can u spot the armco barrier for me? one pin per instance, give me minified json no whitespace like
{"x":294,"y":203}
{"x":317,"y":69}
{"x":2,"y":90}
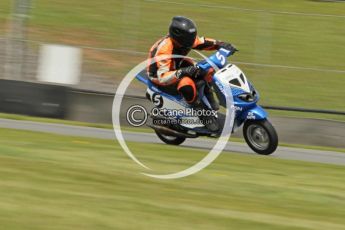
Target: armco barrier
{"x":33,"y":99}
{"x":283,"y":108}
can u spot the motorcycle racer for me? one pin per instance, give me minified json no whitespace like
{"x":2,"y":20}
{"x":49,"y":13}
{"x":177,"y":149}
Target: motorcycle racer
{"x":181,"y":74}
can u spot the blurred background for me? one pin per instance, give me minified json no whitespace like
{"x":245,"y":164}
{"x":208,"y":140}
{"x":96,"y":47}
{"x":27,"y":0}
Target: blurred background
{"x":64,"y":59}
{"x":292,"y":51}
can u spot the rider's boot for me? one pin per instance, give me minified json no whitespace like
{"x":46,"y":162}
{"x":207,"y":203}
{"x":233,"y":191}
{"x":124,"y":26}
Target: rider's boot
{"x":210,"y":97}
{"x":210,"y":121}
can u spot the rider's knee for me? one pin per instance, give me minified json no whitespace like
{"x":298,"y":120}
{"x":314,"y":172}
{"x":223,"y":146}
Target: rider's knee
{"x":187,"y":88}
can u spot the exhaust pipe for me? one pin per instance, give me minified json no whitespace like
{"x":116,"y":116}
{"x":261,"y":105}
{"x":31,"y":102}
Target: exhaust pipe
{"x":170,"y":132}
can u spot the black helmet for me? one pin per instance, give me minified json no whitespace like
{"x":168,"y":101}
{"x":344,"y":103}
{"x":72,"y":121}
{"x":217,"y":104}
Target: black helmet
{"x":183,"y":31}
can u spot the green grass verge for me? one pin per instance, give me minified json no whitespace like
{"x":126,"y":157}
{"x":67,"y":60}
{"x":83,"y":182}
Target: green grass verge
{"x":67,"y":122}
{"x":5,"y":6}
{"x":53,"y":120}
{"x":59,"y":182}
{"x":266,"y":33}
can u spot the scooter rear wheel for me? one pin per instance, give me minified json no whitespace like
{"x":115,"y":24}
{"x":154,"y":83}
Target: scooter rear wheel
{"x":171,"y":140}
{"x":261,"y":136}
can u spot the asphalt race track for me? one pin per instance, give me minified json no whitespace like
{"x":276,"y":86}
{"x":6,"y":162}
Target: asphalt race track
{"x":282,"y":152}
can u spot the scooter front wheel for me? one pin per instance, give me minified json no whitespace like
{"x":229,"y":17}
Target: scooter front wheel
{"x":261,"y":136}
{"x":171,"y":140}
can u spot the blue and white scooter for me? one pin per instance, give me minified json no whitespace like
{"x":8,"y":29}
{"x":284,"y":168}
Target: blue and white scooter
{"x":258,"y":132}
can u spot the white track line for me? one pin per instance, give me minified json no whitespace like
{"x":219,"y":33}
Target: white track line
{"x":291,"y":67}
{"x":133,"y":52}
{"x":248,"y":9}
{"x":237,"y":62}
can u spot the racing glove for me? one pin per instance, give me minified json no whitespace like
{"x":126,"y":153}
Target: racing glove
{"x":190,"y":71}
{"x":227,"y":46}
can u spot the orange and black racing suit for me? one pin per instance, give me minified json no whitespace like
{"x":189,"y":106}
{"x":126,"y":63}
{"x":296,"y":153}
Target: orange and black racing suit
{"x":162,"y":71}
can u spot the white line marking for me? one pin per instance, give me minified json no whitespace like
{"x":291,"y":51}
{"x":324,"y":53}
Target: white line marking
{"x":248,"y":9}
{"x":237,"y":62}
{"x":291,"y":67}
{"x":133,"y":52}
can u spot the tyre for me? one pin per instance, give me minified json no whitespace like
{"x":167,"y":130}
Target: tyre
{"x":171,"y":140}
{"x":261,"y":136}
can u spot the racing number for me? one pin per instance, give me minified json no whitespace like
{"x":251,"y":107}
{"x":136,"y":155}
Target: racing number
{"x":157,"y":100}
{"x":221,"y":58}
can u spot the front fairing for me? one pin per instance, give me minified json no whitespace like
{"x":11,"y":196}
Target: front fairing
{"x":236,"y":92}
{"x":223,"y":78}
